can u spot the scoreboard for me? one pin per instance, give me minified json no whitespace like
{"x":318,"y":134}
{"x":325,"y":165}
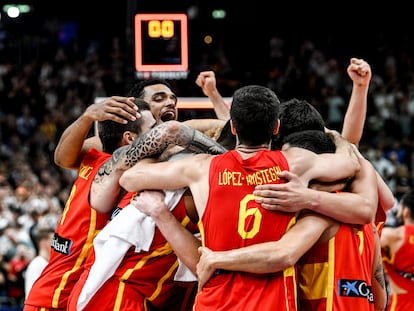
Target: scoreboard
{"x":161,"y":45}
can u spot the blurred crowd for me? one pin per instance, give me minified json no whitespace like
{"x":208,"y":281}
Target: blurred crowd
{"x":40,"y":97}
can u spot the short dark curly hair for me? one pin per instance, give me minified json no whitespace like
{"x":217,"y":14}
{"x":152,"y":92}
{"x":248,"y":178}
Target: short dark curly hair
{"x":110,"y":132}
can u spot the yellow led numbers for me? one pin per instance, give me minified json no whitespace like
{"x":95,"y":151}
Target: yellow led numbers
{"x":161,"y":43}
{"x":157,"y":29}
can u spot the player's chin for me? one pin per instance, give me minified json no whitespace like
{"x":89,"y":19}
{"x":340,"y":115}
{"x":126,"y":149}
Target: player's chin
{"x":168,"y":116}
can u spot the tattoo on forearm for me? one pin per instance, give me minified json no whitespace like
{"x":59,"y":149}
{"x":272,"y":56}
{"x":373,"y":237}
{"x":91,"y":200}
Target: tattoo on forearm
{"x":201,"y":143}
{"x":155,"y":142}
{"x":379,"y":269}
{"x":110,"y":165}
{"x":379,"y":273}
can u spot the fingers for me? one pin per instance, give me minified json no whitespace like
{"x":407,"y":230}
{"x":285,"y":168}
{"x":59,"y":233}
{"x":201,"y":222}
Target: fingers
{"x":119,"y":109}
{"x":155,"y":196}
{"x":200,"y":250}
{"x":359,"y":66}
{"x":203,"y":76}
{"x":199,"y":81}
{"x":126,"y":104}
{"x":159,"y":194}
{"x":287,"y":175}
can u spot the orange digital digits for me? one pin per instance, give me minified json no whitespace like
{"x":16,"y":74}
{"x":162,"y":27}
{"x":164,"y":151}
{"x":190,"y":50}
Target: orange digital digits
{"x":157,"y":29}
{"x":161,"y":42}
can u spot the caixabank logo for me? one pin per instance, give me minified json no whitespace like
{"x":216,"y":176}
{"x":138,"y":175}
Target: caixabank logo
{"x":355,"y":288}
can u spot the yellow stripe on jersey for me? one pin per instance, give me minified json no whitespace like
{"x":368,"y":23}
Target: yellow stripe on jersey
{"x":92,"y":232}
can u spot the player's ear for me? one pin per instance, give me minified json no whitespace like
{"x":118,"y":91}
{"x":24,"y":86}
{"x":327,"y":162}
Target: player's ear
{"x":233,"y":130}
{"x":277,"y":126}
{"x":129,"y":137}
{"x":406,"y":213}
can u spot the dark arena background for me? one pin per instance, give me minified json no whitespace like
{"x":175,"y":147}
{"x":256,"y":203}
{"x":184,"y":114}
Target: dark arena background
{"x":58,"y":57}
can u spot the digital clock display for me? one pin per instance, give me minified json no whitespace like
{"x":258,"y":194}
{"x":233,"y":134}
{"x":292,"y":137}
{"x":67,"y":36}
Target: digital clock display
{"x":161,"y":42}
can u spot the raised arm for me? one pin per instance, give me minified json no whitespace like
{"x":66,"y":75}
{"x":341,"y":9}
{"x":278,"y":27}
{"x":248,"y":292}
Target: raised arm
{"x":386,"y":199}
{"x":206,"y":80}
{"x":73,"y":143}
{"x":360,"y":73}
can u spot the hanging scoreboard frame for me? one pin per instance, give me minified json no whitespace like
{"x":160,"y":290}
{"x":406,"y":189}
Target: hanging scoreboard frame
{"x":161,"y":43}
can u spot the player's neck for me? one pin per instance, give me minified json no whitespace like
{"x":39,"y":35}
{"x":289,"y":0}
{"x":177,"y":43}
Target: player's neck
{"x":248,"y":151}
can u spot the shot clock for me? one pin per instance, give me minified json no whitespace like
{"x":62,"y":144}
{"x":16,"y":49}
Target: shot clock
{"x":161,"y":45}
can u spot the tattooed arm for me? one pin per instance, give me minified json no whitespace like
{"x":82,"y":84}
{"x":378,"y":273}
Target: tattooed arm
{"x":74,"y":143}
{"x":378,"y":280}
{"x":105,"y":187}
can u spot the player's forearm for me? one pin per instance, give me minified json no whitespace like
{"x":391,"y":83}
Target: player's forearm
{"x":355,"y":115}
{"x":105,"y":191}
{"x":349,"y":207}
{"x":182,"y":241}
{"x":260,"y":258}
{"x":159,"y":138}
{"x":154,"y":143}
{"x":221,"y":109}
{"x":68,"y":151}
{"x":386,"y":198}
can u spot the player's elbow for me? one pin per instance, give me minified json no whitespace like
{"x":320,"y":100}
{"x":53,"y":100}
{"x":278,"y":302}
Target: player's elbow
{"x":173,"y":127}
{"x":58,"y":160}
{"x":62,"y":160}
{"x":128,"y":181}
{"x":386,"y":202}
{"x":286,"y":258}
{"x":380,"y":302}
{"x":380,"y":307}
{"x":290,"y":259}
{"x":368,"y":211}
{"x":356,"y":166}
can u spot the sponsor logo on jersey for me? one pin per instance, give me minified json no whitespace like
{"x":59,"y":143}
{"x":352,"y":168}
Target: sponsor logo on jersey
{"x":355,"y":288}
{"x":61,"y":245}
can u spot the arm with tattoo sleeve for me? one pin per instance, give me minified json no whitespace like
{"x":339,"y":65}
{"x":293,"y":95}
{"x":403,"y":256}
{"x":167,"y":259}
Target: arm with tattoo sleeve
{"x":378,"y":280}
{"x":73,"y":143}
{"x":105,"y":187}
